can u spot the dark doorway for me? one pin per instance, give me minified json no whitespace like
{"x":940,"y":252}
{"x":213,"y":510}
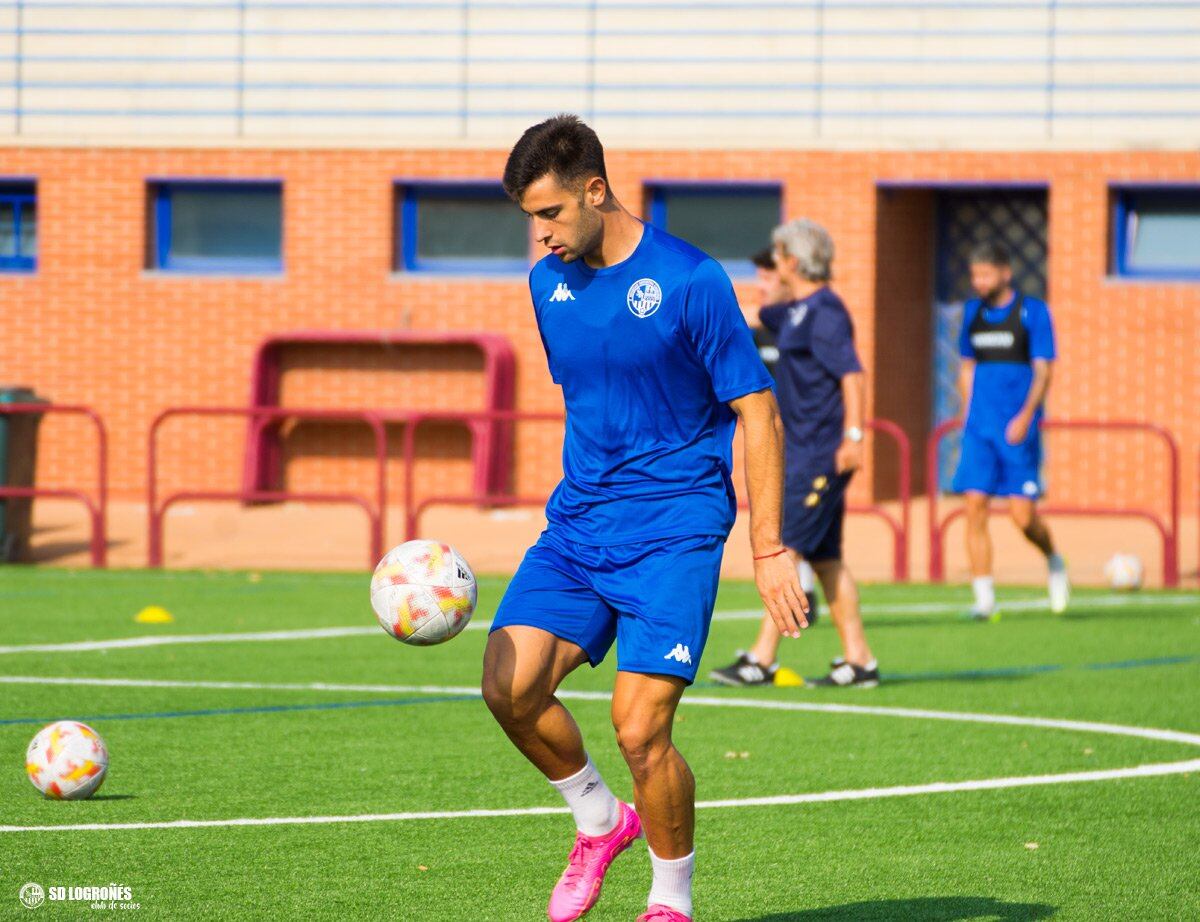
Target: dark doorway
{"x":924,"y":235}
{"x":1015,"y":217}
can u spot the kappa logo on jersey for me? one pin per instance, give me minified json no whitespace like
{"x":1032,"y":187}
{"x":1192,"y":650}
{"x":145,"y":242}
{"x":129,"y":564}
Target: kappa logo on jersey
{"x":562,"y":293}
{"x":797,"y":314}
{"x":644,"y":297}
{"x":681,"y":654}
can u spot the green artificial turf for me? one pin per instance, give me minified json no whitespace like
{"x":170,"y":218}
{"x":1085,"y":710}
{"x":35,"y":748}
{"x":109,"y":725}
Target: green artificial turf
{"x":1112,"y":849}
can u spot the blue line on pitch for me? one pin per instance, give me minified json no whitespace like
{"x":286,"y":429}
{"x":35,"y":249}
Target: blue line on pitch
{"x":1010,"y":671}
{"x":263,"y":709}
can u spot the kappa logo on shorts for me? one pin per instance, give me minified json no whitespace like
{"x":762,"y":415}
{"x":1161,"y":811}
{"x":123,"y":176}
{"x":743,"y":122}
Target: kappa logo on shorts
{"x":644,"y":297}
{"x":1030,"y":488}
{"x":681,"y":654}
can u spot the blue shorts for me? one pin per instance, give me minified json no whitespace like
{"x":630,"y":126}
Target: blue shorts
{"x":655,"y":598}
{"x":814,"y":507}
{"x":988,"y":464}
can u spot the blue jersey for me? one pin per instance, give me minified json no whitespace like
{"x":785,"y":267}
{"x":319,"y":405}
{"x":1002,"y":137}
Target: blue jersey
{"x":1004,"y":345}
{"x":815,"y":337}
{"x":647,"y":352}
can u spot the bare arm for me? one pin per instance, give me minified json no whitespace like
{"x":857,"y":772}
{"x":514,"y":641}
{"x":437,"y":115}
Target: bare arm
{"x":966,"y":380}
{"x":849,"y":455}
{"x":774,"y":573}
{"x":1018,"y":427}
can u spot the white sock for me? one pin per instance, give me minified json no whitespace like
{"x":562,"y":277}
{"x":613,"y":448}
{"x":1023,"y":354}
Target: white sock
{"x":593,"y":804}
{"x":672,"y":882}
{"x":985,"y":593}
{"x":808,"y":579}
{"x":1056,"y":563}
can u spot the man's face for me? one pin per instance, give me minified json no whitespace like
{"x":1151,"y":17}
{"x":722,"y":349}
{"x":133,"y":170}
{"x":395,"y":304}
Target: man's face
{"x":565,"y":220}
{"x":787,"y":267}
{"x":989,"y":280}
{"x":771,"y":287}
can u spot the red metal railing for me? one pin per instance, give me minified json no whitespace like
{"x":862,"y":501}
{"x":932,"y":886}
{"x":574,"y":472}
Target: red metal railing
{"x":414,"y":510}
{"x":491,"y":453}
{"x":1168,"y":530}
{"x":899,"y":529}
{"x":97,"y":509}
{"x":375,"y":511}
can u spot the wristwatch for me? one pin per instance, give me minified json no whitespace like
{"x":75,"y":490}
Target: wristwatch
{"x":854,"y":434}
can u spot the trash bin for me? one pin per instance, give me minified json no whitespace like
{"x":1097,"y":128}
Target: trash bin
{"x":18,"y":461}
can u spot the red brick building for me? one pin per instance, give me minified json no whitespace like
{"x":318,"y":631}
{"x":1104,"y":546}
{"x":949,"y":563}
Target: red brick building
{"x":94,"y":325}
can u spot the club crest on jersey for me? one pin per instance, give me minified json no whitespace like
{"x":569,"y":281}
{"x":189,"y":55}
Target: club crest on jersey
{"x":644,"y":297}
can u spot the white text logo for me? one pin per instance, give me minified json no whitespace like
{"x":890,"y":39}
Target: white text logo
{"x":1000,"y":339}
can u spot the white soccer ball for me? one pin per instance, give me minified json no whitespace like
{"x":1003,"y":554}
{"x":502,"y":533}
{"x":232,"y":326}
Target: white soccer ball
{"x":67,"y":760}
{"x":423,"y":592}
{"x":1124,"y":572}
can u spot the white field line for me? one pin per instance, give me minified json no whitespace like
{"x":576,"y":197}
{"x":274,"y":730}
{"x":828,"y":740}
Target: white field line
{"x":744,"y":614}
{"x":937,"y":787}
{"x":941,"y":787}
{"x":1045,"y":723}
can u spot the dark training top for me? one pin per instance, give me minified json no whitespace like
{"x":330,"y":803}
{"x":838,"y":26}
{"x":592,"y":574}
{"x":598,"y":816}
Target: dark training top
{"x":815,"y":337}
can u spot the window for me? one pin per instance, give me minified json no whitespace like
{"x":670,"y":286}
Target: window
{"x":728,"y":221}
{"x":1156,"y":232}
{"x":217,"y":226}
{"x":18,"y":226}
{"x":459,"y":227}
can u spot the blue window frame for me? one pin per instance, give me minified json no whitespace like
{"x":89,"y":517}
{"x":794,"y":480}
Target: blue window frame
{"x":1156,"y":232}
{"x":230,"y":227}
{"x":18,"y":226}
{"x":459,"y":227}
{"x":730,"y":221}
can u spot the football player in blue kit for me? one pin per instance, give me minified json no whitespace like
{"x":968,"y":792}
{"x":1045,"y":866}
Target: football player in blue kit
{"x":1007,"y":351}
{"x":822,"y":398}
{"x":644,"y":335}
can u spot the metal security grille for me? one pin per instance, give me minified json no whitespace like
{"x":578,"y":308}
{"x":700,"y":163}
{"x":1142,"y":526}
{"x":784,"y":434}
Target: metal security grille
{"x":1014,"y":217}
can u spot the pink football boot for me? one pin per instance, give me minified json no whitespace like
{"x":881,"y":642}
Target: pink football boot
{"x":579,"y":887}
{"x":660,"y":913}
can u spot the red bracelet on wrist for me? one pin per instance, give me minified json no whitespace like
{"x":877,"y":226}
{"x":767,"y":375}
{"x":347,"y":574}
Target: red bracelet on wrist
{"x":782,"y":550}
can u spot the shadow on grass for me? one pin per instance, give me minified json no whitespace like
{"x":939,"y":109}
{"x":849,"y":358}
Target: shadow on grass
{"x":51,"y":551}
{"x":921,"y":909}
{"x":113,"y":797}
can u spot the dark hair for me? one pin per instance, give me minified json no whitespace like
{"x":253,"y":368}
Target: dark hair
{"x":994,"y":254}
{"x":764,"y":259}
{"x":562,"y":145}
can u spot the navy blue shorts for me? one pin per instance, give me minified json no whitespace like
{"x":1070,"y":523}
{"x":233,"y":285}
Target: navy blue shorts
{"x":814,"y":506}
{"x":988,"y":464}
{"x":654,"y":598}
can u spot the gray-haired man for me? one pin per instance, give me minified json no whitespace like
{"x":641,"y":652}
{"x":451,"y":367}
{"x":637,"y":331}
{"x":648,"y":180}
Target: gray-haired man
{"x":820,"y":388}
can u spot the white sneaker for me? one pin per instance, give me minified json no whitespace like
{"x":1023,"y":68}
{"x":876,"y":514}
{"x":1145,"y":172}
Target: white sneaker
{"x":1059,"y":585}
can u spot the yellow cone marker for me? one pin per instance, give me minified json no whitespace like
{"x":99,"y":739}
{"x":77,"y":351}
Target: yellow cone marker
{"x":154,"y":614}
{"x":788,"y":678}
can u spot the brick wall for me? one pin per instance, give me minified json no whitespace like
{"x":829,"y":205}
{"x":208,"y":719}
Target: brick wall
{"x":93,"y":325}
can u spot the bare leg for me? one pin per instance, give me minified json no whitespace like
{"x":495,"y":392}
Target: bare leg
{"x":979,"y":543}
{"x":1033,"y":526}
{"x":522,"y":668}
{"x":643,"y":711}
{"x":842,"y":595}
